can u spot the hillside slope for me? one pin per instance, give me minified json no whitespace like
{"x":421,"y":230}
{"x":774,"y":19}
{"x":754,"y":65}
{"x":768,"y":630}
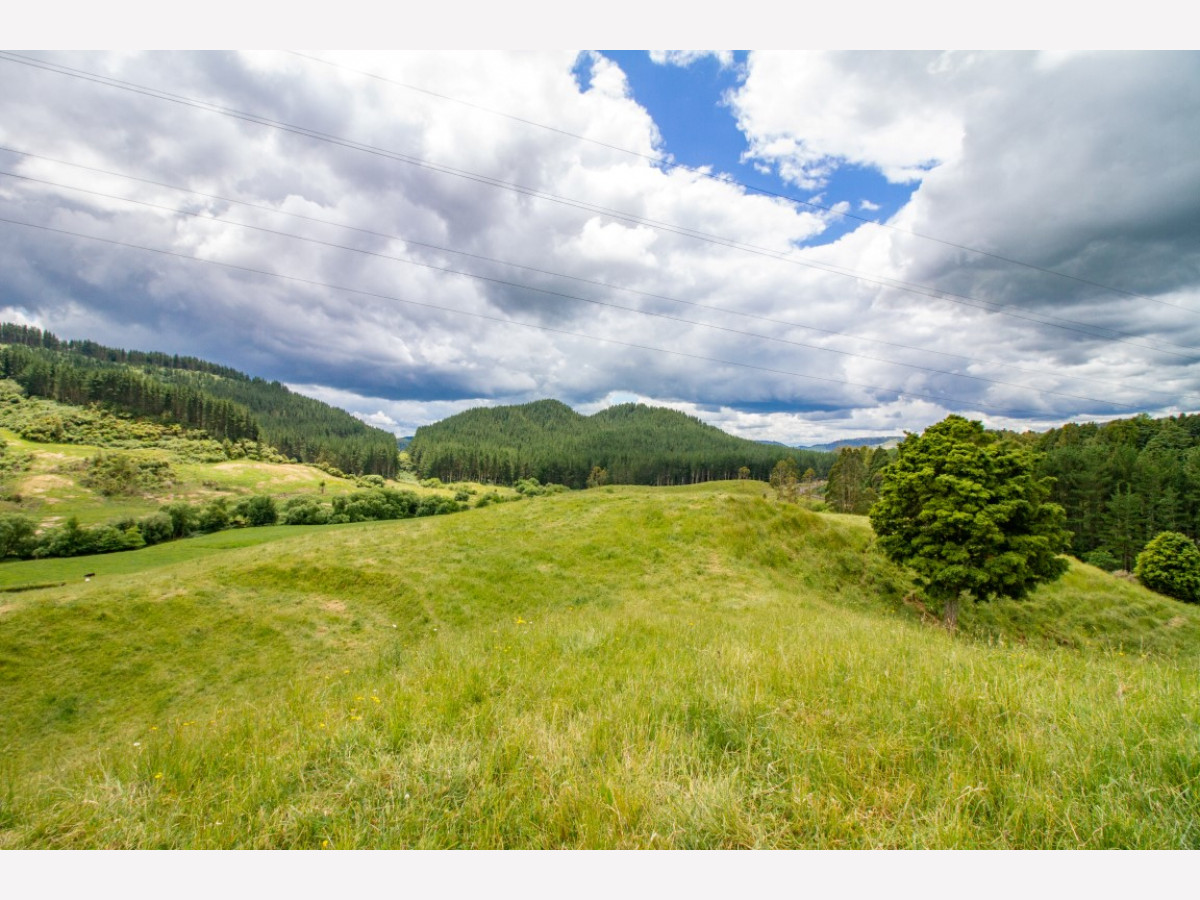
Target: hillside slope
{"x":624,"y":667}
{"x":226,"y":404}
{"x":633,"y":443}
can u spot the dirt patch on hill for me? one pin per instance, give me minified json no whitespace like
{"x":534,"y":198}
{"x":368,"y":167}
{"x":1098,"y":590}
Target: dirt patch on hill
{"x":40,"y":484}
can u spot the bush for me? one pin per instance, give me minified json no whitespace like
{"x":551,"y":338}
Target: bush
{"x":71,"y":539}
{"x":259,"y":510}
{"x":305,"y":511}
{"x":114,"y":474}
{"x":1170,"y":565}
{"x":183,"y":518}
{"x":157,"y":528}
{"x":16,"y":535}
{"x":213,"y":516}
{"x":1102,"y":559}
{"x":375,"y":505}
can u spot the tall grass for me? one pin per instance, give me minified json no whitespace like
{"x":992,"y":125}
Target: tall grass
{"x":677,"y":668}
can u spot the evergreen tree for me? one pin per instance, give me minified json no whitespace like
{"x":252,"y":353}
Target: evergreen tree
{"x":965,"y":511}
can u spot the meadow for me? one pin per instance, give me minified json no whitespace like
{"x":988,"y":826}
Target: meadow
{"x":627,"y":667}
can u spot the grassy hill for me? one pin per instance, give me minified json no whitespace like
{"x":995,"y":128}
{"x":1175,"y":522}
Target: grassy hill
{"x":52,"y":484}
{"x":621,"y":667}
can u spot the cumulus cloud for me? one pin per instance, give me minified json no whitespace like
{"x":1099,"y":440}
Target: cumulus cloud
{"x":807,"y":113}
{"x":654,"y":283}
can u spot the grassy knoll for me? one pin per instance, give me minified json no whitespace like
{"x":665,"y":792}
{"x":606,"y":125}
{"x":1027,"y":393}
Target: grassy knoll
{"x":623,"y":667}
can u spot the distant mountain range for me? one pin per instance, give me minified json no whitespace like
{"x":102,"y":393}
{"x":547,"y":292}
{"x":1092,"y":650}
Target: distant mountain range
{"x":886,"y":442}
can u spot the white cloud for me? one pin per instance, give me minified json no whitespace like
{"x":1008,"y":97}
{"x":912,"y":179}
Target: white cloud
{"x":806,"y":113}
{"x":685,"y":58}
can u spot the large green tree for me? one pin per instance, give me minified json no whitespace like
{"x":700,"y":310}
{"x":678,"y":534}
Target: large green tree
{"x":962,"y":508}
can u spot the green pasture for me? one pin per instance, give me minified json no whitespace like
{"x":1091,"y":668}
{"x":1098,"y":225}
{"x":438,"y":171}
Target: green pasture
{"x":614,"y":668}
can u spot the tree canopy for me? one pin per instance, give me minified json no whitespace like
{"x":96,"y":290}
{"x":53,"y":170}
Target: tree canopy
{"x":964,"y":509}
{"x":1123,"y":482}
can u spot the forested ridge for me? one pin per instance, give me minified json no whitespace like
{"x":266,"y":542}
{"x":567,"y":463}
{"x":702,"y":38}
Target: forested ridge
{"x":224,"y":403}
{"x":630,"y":443}
{"x":1123,"y":482}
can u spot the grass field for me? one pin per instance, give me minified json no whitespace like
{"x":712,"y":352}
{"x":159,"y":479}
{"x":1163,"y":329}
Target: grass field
{"x":617,"y":668}
{"x":20,"y":575}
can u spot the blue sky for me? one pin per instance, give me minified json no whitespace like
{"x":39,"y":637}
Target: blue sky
{"x":689,"y":105}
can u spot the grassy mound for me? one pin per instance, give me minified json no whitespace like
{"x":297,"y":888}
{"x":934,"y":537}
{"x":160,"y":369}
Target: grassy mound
{"x":623,"y":667}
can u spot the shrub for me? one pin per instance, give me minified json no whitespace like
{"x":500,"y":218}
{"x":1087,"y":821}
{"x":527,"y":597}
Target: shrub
{"x":259,"y":510}
{"x":1102,"y":559}
{"x":71,"y":539}
{"x":305,"y":511}
{"x":183,"y":518}
{"x":16,"y":535}
{"x":213,"y":516}
{"x":46,"y":429}
{"x":157,"y":528}
{"x":1170,"y":564}
{"x":113,"y":474}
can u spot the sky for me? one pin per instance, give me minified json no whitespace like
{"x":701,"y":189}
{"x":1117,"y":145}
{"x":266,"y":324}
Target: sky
{"x":793,"y":246}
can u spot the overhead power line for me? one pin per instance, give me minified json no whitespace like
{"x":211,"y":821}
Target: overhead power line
{"x":475,"y":256}
{"x":725,"y":178}
{"x":554,"y":293}
{"x":940,"y":399}
{"x":881,"y":281}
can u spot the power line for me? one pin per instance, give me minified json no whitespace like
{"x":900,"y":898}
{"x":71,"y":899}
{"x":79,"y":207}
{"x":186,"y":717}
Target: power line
{"x":274,"y":211}
{"x":725,"y":178}
{"x":483,"y":316}
{"x":549,"y":292}
{"x":881,"y":281}
{"x":544,"y":271}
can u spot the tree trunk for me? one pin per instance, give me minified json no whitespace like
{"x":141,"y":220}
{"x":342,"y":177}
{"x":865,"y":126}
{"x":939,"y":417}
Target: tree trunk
{"x":950,"y":611}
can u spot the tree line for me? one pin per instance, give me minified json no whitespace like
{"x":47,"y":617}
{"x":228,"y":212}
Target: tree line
{"x":19,"y":536}
{"x":29,"y":336}
{"x":630,"y":444}
{"x":1124,"y":482}
{"x":1120,"y":484}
